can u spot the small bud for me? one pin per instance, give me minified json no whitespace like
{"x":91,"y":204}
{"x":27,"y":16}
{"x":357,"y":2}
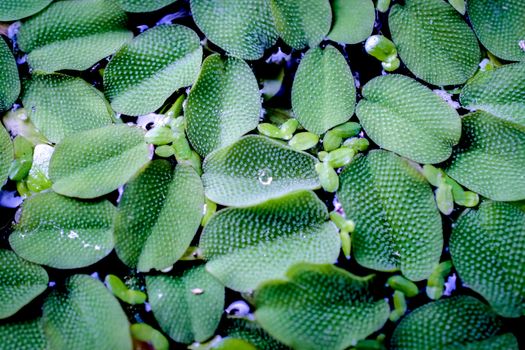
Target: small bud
{"x":381,"y":48}
{"x":327,"y":176}
{"x":444,"y":199}
{"x":331,"y":141}
{"x":392,"y":65}
{"x":340,"y":157}
{"x":346,"y":130}
{"x":270,"y":130}
{"x":164,"y":151}
{"x":404,"y":285}
{"x":159,"y":135}
{"x":303,"y":141}
{"x":288,"y":128}
{"x":346,"y":243}
{"x":469,"y":200}
{"x":357,"y":144}
{"x":383,"y":5}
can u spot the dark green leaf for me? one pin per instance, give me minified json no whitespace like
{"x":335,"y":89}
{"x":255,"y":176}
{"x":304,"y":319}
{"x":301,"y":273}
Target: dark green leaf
{"x":25,"y":335}
{"x":9,"y":80}
{"x":143,"y":6}
{"x":353,"y":21}
{"x":11,"y":10}
{"x":6,"y":154}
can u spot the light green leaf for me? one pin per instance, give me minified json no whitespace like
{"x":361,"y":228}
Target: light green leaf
{"x":403,"y":116}
{"x":187,"y":307}
{"x":63,"y":232}
{"x":254,"y":334}
{"x":397,"y":224}
{"x":499,"y":26}
{"x":20,"y":282}
{"x":60,"y":105}
{"x":323,"y":92}
{"x":336,"y":304}
{"x":144,"y":73}
{"x":244,"y":28}
{"x":159,"y":213}
{"x":6,"y":154}
{"x":84,"y":315}
{"x":458,"y":323}
{"x":25,"y":335}
{"x":487,"y":250}
{"x":143,"y":6}
{"x":302,"y":23}
{"x":353,"y":21}
{"x":256,"y":169}
{"x":500,"y":91}
{"x":95,"y":162}
{"x":246,"y":246}
{"x":490,"y":158}
{"x":73,"y":34}
{"x":9,"y":79}
{"x":11,"y":10}
{"x":434,"y":41}
{"x":224,"y":104}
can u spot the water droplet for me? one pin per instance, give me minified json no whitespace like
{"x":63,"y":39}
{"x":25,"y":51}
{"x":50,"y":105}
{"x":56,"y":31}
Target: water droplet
{"x":72,"y":234}
{"x":265,"y":176}
{"x":521,"y":43}
{"x":197,"y":291}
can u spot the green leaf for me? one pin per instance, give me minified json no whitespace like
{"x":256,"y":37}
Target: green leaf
{"x":336,"y":304}
{"x":499,"y":26}
{"x":323,"y":92}
{"x":403,"y":116}
{"x":63,"y":232}
{"x":95,"y":162}
{"x":6,"y":154}
{"x":224,"y":104}
{"x":242,"y":28}
{"x":397,"y":224}
{"x":144,"y":73}
{"x":460,"y":322}
{"x":159,"y":213}
{"x":73,"y":34}
{"x":486,"y":248}
{"x":256,"y":169}
{"x":254,"y":334}
{"x":145,"y":333}
{"x":11,"y":10}
{"x":353,"y":21}
{"x":20,"y":282}
{"x":60,"y":105}
{"x":499,"y":91}
{"x":187,"y":307}
{"x":84,"y":315}
{"x":246,"y":246}
{"x":9,"y":79}
{"x":24,"y":335}
{"x":302,"y":23}
{"x":121,"y":291}
{"x":490,"y":157}
{"x":434,"y":41}
{"x":143,"y":6}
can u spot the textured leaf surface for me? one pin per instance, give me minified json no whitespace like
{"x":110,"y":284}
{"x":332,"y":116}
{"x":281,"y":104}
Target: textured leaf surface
{"x":95,"y":162}
{"x":246,"y":246}
{"x":405,"y":117}
{"x":244,"y":28}
{"x":60,"y":105}
{"x":26,"y":335}
{"x":254,"y":334}
{"x":159,"y":213}
{"x":9,"y":80}
{"x":488,"y":251}
{"x":397,"y":224}
{"x":461,"y":322}
{"x":434,"y":41}
{"x":6,"y":154}
{"x":11,"y":10}
{"x":353,"y":21}
{"x":256,"y":169}
{"x":500,"y":92}
{"x":323,"y":93}
{"x":62,"y":232}
{"x":143,"y":6}
{"x":20,"y":282}
{"x":188,"y":307}
{"x":73,"y":34}
{"x":145,"y":72}
{"x":319,"y":307}
{"x":224,"y":104}
{"x":490,"y":158}
{"x":84,"y":315}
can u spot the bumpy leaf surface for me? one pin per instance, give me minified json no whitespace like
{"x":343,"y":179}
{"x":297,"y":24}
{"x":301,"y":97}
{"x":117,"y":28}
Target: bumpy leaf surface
{"x":11,"y":10}
{"x":143,"y":6}
{"x":25,"y":335}
{"x":254,"y":334}
{"x":353,"y":21}
{"x":9,"y":80}
{"x":6,"y":154}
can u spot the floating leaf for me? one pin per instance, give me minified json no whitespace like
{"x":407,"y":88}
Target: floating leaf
{"x":95,"y":162}
{"x":63,"y":232}
{"x":434,"y":41}
{"x":84,"y":315}
{"x":11,"y":10}
{"x":254,"y":334}
{"x":323,"y":93}
{"x":224,"y":104}
{"x":243,"y":28}
{"x":246,"y":246}
{"x":9,"y":80}
{"x":460,"y":322}
{"x":25,"y":335}
{"x":143,"y":6}
{"x":403,"y":116}
{"x":144,"y":73}
{"x":500,"y":91}
{"x":73,"y":34}
{"x":353,"y":21}
{"x":159,"y":213}
{"x":397,"y":224}
{"x":188,"y":307}
{"x":490,"y":158}
{"x":487,"y":251}
{"x":256,"y":169}
{"x":6,"y":154}
{"x":336,"y":304}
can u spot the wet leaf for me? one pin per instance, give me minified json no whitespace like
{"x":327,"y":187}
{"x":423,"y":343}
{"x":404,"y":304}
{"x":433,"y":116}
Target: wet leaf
{"x":246,"y":246}
{"x":159,"y":213}
{"x":224,"y":104}
{"x":254,"y":334}
{"x":6,"y":154}
{"x":9,"y":79}
{"x":11,"y":10}
{"x":353,"y":21}
{"x":143,"y":6}
{"x":144,"y":73}
{"x":323,"y":93}
{"x":397,"y":224}
{"x":403,"y":116}
{"x":24,"y":335}
{"x":336,"y":304}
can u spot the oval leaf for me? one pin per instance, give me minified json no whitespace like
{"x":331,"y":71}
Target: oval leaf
{"x":25,"y":335}
{"x":143,"y":6}
{"x":353,"y":21}
{"x":11,"y":10}
{"x":9,"y":79}
{"x":6,"y":154}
